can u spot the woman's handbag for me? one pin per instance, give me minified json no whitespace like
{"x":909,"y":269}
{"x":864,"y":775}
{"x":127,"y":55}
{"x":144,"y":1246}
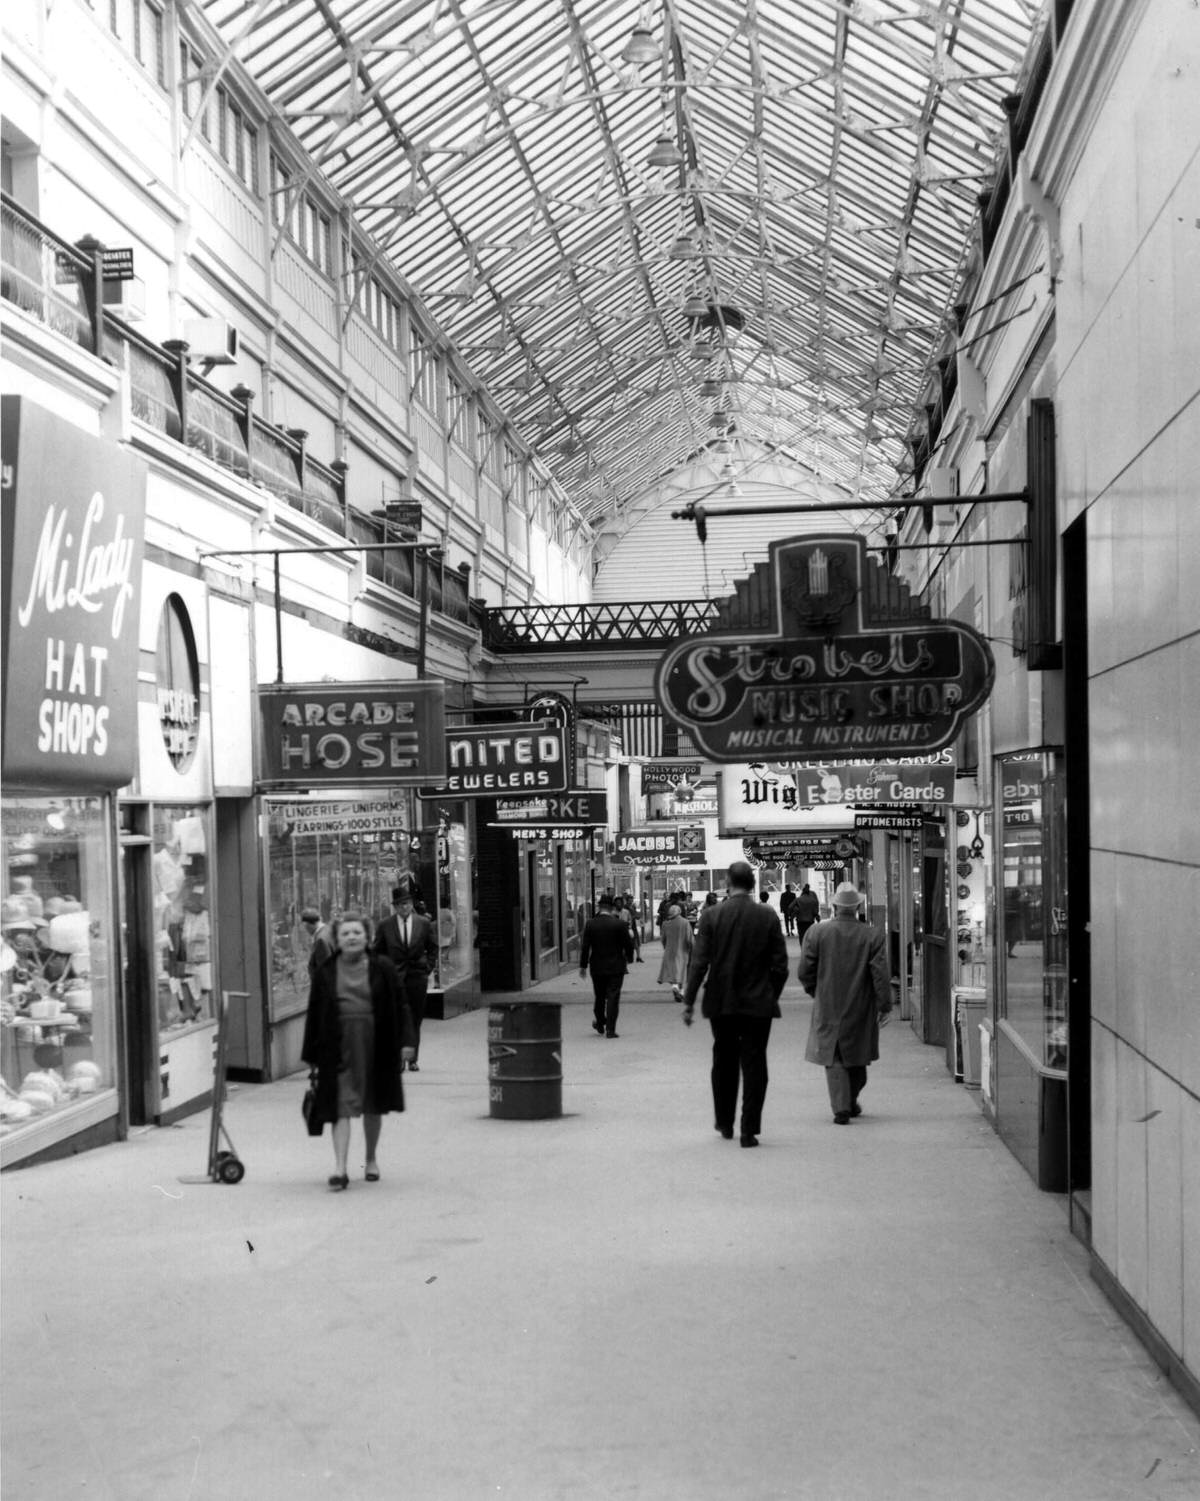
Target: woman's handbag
{"x":309,"y":1108}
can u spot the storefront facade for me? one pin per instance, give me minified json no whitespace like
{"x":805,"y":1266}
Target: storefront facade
{"x":73,"y":528}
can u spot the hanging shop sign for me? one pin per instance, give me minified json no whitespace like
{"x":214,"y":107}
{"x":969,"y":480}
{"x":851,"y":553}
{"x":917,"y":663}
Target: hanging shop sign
{"x":889,"y":822}
{"x":828,"y":679}
{"x":347,"y":733}
{"x":73,"y":519}
{"x":485,"y":759}
{"x":753,"y":800}
{"x":670,"y":846}
{"x":666,"y":776}
{"x":581,"y":806}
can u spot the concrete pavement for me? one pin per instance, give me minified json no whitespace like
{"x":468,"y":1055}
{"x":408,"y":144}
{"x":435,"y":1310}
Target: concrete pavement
{"x":614,"y":1304}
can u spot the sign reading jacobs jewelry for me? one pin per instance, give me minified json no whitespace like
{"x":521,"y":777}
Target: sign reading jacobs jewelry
{"x":73,"y":518}
{"x":670,"y":846}
{"x":824,"y":680}
{"x":334,"y":735}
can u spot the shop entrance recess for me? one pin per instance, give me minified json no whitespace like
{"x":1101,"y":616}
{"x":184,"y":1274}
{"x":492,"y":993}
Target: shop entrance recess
{"x":138,"y":984}
{"x":905,"y":926}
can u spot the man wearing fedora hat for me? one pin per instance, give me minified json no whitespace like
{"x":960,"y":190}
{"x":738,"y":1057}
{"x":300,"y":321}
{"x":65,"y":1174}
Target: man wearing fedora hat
{"x":843,"y":964}
{"x":408,"y":939}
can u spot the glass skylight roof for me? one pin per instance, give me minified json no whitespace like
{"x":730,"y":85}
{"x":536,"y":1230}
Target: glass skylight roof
{"x":830,"y":156}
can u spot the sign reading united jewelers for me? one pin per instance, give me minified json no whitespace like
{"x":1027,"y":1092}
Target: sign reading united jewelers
{"x":74,"y":512}
{"x":831,"y":677}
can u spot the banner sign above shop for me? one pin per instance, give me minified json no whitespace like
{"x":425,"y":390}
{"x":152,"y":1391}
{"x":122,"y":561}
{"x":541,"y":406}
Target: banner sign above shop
{"x":348,"y":733}
{"x":74,"y":514}
{"x":754,"y":800}
{"x":357,"y":816}
{"x":830,"y":677}
{"x":516,"y":756}
{"x":910,"y":779}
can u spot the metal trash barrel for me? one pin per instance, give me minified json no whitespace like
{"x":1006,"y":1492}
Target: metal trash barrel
{"x":525,"y":1060}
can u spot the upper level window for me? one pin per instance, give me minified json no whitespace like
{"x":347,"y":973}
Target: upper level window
{"x":460,"y":412}
{"x":191,"y":87}
{"x":140,"y":27}
{"x":423,"y":371}
{"x":237,"y":139}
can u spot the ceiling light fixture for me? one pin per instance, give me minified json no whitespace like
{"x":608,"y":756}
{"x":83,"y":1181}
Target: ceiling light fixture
{"x":684,"y":247}
{"x":665,"y":153}
{"x":641,"y":46}
{"x":695,"y":306}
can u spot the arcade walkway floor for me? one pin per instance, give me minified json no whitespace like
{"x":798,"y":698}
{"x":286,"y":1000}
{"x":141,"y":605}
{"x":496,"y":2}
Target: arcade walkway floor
{"x":615,"y":1304}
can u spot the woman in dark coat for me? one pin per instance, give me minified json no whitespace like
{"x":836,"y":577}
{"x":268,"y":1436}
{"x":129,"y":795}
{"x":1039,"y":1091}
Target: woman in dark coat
{"x":357,"y":1033}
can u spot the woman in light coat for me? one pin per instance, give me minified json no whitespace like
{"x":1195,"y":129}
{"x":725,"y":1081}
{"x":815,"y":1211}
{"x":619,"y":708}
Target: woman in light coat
{"x":677,"y":950}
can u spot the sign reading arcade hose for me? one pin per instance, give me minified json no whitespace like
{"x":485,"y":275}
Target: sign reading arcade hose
{"x":825,"y":679}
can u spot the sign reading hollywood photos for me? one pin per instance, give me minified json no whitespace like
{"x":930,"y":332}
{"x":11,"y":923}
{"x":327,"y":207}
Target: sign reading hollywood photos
{"x":826,"y":679}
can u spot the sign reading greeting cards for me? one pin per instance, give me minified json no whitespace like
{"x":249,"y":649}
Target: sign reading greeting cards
{"x":842,"y":670}
{"x":73,"y":519}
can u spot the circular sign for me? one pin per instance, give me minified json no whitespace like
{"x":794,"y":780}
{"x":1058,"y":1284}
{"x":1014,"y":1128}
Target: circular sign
{"x":177,"y":683}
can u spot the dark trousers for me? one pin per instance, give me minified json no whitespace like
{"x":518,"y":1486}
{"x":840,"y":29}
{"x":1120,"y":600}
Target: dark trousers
{"x":739,"y":1051}
{"x":607,"y":992}
{"x":845,"y":1081}
{"x":415,"y":987}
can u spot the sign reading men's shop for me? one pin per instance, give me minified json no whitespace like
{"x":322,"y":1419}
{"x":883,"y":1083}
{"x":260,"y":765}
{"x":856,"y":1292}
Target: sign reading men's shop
{"x":825,"y":680}
{"x":343,"y":734}
{"x":73,"y":519}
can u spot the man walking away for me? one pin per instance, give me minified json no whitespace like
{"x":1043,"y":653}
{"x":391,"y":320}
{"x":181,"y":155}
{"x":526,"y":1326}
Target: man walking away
{"x":806,"y":910}
{"x":843,"y":964}
{"x":740,"y":957}
{"x":786,"y":903}
{"x":607,"y":949}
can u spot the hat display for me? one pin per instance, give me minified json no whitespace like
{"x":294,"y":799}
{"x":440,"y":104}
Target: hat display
{"x":14,"y":916}
{"x":847,"y":896}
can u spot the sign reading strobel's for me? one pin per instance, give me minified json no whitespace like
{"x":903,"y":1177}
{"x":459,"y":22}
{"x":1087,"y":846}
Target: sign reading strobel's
{"x":828,"y":678}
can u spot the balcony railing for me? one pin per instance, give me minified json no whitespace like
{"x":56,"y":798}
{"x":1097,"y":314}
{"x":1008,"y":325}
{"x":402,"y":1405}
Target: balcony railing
{"x":61,"y":286}
{"x":596,"y":627}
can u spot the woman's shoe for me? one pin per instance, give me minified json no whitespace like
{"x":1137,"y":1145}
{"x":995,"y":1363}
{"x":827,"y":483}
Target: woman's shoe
{"x":372,"y":1175}
{"x":339,"y":1181}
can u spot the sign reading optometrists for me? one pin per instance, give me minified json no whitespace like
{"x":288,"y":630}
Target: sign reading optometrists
{"x":73,"y":518}
{"x":331,"y":735}
{"x":841,"y":671}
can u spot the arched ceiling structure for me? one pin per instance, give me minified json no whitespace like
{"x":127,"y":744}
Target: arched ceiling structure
{"x":734,"y":242}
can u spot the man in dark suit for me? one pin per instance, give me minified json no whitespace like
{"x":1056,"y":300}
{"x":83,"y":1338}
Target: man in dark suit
{"x":407,"y":938}
{"x":740,"y":957}
{"x":607,"y":949}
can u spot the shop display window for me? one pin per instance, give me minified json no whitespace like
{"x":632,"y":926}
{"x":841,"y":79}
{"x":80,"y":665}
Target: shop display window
{"x":455,"y":917}
{"x":1033,"y":929}
{"x":57,"y":1024}
{"x":183,"y":932}
{"x":327,"y":857}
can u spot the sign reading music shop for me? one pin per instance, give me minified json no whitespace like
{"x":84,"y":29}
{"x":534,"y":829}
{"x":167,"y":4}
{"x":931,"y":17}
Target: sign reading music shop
{"x":827,"y":679}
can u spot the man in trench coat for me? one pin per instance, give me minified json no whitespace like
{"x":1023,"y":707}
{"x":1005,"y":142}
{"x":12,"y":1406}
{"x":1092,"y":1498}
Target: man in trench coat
{"x":843,"y":963}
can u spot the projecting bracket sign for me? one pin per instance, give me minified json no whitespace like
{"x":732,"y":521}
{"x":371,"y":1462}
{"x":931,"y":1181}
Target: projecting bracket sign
{"x":833,"y":676}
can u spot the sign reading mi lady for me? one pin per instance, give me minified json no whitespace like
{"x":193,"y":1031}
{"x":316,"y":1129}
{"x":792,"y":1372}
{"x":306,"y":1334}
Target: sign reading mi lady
{"x":846,"y":667}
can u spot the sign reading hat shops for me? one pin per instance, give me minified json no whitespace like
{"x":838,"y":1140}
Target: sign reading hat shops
{"x":323,"y":734}
{"x":74,"y":509}
{"x":842,"y":670}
